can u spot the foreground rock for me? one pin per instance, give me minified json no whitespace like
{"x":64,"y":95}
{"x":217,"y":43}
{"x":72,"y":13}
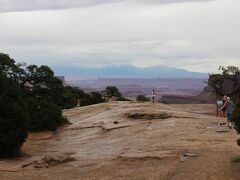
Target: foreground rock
{"x":130,"y":141}
{"x":47,"y":162}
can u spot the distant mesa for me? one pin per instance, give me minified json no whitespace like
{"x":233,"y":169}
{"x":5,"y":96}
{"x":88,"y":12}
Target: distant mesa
{"x":172,"y":85}
{"x":129,"y":71}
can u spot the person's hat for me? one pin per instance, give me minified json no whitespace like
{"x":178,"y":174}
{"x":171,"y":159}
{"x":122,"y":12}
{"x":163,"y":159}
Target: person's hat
{"x":228,"y":98}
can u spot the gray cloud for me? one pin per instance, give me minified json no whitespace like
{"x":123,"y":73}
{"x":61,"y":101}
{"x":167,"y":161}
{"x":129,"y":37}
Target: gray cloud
{"x":31,"y":5}
{"x":194,"y":36}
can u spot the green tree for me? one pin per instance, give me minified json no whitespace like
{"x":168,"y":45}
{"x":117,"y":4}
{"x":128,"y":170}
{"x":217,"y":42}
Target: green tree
{"x":71,"y":95}
{"x":43,"y":83}
{"x":69,"y":100}
{"x":86,"y":100}
{"x":8,"y":67}
{"x":42,"y":92}
{"x":44,"y":115}
{"x":13,"y":115}
{"x":227,"y":82}
{"x":96,"y":97}
{"x":112,"y":91}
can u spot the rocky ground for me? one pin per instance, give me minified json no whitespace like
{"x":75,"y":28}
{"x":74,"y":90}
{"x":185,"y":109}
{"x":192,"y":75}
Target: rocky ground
{"x":125,"y":140}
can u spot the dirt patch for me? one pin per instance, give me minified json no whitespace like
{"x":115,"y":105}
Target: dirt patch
{"x":135,"y":116}
{"x":47,"y":162}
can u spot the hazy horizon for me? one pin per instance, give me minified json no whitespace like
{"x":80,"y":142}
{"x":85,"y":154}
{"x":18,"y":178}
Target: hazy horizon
{"x":196,"y":35}
{"x":126,"y":71}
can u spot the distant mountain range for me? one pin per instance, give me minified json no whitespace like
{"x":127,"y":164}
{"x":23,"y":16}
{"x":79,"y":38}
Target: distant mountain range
{"x":128,"y":71}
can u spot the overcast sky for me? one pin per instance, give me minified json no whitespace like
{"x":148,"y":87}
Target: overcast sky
{"x":197,"y":35}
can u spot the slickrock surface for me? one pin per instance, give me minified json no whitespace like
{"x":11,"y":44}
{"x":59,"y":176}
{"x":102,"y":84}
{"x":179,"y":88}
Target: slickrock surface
{"x":126,"y":140}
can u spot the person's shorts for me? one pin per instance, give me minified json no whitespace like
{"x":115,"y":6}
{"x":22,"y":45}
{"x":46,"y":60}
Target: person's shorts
{"x":230,"y":116}
{"x":224,"y":109}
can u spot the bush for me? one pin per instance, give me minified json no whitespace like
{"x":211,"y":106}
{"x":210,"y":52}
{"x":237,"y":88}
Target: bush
{"x":142,"y":98}
{"x":86,"y":100}
{"x":112,"y":91}
{"x":13,"y":118}
{"x":69,"y":100}
{"x":123,"y":99}
{"x":44,"y":115}
{"x":92,"y":98}
{"x":96,"y":97}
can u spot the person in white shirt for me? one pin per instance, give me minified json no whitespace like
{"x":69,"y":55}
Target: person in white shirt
{"x":229,"y":106}
{"x":153,"y":96}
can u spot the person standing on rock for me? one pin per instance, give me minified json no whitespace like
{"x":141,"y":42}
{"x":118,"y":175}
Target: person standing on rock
{"x":153,"y":96}
{"x":229,"y":107}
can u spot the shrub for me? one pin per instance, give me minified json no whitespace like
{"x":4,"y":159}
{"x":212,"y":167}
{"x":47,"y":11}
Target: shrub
{"x":142,"y":98}
{"x":69,"y":100}
{"x":96,"y":97}
{"x":86,"y":100}
{"x":123,"y":99}
{"x":13,"y":118}
{"x":44,"y":115}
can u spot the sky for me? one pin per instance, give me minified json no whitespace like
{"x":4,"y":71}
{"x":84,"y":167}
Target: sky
{"x":197,"y":35}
